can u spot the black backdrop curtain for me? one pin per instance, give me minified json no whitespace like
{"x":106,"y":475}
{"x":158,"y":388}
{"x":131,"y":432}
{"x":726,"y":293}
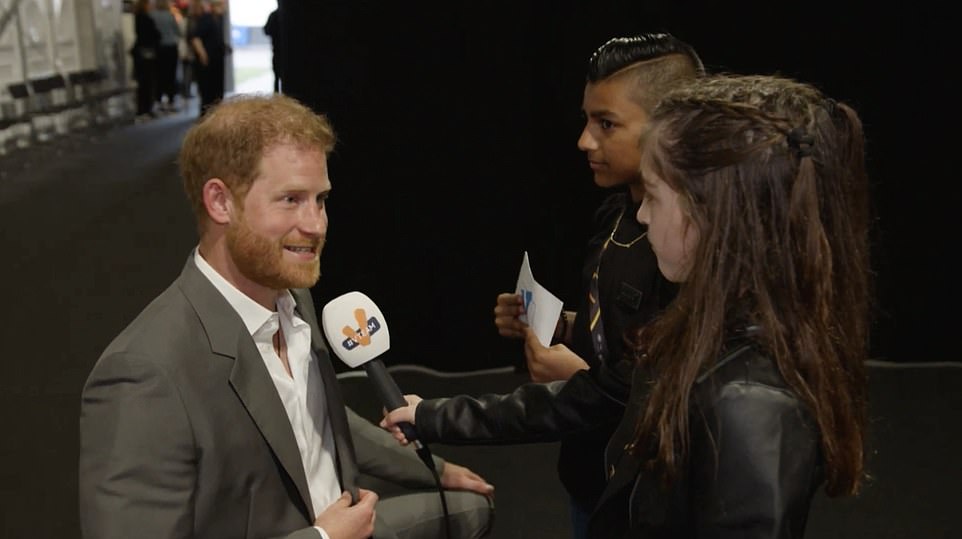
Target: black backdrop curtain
{"x":458,"y":124}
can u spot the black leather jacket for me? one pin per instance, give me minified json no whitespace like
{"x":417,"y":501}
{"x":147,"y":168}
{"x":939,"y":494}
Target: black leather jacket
{"x":753,"y":466}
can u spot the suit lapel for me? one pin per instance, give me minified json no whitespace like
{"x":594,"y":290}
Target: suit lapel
{"x":345,"y":457}
{"x":249,"y":376}
{"x":254,"y":387}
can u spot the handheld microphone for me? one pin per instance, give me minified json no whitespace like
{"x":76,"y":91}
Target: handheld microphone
{"x":358,"y":334}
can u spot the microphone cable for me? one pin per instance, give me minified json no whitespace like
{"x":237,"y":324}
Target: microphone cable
{"x":425,"y":455}
{"x":389,"y":394}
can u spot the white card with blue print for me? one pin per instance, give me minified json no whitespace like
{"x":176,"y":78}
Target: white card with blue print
{"x":541,"y":307}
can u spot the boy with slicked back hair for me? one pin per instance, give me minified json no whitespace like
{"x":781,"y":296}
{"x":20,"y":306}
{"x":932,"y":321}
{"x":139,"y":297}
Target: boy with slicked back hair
{"x":622,"y":287}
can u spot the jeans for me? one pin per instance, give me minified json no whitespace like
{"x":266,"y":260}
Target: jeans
{"x":579,"y":520}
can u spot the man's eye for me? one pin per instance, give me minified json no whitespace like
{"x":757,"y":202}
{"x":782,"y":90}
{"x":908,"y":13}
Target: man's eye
{"x":606,"y":124}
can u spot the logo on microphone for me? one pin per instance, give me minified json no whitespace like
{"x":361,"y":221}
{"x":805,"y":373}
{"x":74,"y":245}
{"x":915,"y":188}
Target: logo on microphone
{"x":362,"y":335}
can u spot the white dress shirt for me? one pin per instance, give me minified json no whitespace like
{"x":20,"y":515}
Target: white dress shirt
{"x":301,"y":392}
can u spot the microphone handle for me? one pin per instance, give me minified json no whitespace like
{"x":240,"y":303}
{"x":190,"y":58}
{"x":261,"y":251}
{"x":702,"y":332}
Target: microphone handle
{"x":390,"y":394}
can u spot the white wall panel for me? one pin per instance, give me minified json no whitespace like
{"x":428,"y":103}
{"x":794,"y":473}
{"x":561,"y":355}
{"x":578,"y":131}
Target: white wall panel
{"x":35,"y":24}
{"x":11,"y":68}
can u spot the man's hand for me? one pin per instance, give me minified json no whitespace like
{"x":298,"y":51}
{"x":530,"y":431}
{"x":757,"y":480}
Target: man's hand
{"x":456,"y":477}
{"x":405,"y":414}
{"x":550,"y":364}
{"x":341,"y":520}
{"x":506,"y":312}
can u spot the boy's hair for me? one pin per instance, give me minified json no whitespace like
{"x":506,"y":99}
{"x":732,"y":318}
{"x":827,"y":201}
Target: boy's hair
{"x":658,"y":62}
{"x":230,"y":140}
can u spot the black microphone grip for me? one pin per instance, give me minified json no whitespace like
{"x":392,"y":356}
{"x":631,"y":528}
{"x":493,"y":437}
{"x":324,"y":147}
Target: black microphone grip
{"x":390,"y":394}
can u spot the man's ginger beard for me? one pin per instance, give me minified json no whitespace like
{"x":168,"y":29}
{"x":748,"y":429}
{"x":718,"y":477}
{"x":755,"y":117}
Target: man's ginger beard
{"x":262,"y":260}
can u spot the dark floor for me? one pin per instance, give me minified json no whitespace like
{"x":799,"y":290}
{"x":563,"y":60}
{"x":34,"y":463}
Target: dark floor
{"x":94,"y":226}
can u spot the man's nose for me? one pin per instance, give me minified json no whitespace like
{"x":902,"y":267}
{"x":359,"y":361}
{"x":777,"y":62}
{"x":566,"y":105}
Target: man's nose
{"x":314,"y":220}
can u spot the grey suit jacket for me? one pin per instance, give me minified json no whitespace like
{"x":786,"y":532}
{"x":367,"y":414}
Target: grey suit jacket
{"x":183,"y":435}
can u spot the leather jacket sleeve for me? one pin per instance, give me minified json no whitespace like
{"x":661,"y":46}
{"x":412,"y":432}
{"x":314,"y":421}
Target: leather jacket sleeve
{"x":752,"y":467}
{"x":754,"y":463}
{"x":531,"y":413}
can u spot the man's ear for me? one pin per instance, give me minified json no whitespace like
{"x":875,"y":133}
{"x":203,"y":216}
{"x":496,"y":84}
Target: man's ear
{"x":218,"y":201}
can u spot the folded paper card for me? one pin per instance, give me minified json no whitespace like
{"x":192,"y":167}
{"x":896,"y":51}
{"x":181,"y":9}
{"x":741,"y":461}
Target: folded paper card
{"x":541,"y":308}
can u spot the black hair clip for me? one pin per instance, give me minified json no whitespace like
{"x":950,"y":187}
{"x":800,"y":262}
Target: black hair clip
{"x":801,"y":142}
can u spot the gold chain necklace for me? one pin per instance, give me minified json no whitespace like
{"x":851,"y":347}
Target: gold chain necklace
{"x":612,"y":239}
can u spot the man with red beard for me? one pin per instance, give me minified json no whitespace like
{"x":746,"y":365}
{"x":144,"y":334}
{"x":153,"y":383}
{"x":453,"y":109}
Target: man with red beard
{"x":216,"y":413}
